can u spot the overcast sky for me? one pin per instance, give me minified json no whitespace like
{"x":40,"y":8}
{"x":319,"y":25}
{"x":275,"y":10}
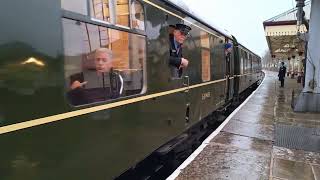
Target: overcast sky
{"x":242,"y":18}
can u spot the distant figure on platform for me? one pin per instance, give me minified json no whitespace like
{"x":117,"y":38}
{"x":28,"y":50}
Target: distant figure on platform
{"x":282,"y":73}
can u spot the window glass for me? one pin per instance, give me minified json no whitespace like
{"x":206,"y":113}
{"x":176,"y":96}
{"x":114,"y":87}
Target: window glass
{"x":205,"y":56}
{"x":122,"y":11}
{"x":99,"y":65}
{"x":78,"y":6}
{"x":204,"y":38}
{"x":246,"y":56}
{"x":251,"y":62}
{"x":137,"y":15}
{"x":241,"y":61}
{"x":217,"y":58}
{"x":100,"y":9}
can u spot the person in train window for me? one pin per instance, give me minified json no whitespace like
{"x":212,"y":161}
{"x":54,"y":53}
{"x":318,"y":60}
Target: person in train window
{"x":98,"y":81}
{"x":282,"y":73}
{"x":176,"y":60}
{"x":228,"y":49}
{"x":227,"y":52}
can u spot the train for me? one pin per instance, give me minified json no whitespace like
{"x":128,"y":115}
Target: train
{"x":44,"y":135}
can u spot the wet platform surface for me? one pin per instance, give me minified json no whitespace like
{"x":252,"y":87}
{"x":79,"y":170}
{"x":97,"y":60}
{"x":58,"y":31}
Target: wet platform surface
{"x":245,"y":148}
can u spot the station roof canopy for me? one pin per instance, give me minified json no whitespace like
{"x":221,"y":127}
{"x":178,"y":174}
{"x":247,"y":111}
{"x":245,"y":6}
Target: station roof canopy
{"x":281,"y":33}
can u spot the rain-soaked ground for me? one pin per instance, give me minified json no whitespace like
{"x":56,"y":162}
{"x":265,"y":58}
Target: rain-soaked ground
{"x":246,"y":147}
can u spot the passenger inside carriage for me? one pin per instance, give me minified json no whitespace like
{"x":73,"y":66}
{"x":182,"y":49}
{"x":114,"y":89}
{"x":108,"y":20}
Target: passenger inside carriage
{"x":176,"y":60}
{"x":98,"y":81}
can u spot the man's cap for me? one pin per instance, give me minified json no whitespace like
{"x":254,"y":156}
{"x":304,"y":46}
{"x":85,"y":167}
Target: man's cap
{"x":183,"y":28}
{"x":228,"y":45}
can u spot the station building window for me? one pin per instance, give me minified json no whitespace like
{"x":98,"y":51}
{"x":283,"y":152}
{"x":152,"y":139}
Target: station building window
{"x":101,"y":63}
{"x":122,"y":12}
{"x":113,"y":11}
{"x":205,"y":56}
{"x":100,"y":9}
{"x":78,"y":6}
{"x":137,"y":15}
{"x":126,"y":13}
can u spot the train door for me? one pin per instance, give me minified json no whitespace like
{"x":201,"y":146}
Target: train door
{"x":228,"y":63}
{"x":178,"y":79}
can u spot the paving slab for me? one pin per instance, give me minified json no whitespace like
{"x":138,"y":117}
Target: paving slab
{"x":231,"y":157}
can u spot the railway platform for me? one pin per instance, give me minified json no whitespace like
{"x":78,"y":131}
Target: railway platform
{"x":262,"y":139}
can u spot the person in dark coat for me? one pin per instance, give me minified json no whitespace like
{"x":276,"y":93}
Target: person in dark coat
{"x":176,"y":60}
{"x":98,"y":82}
{"x":282,"y":73}
{"x":227,"y":52}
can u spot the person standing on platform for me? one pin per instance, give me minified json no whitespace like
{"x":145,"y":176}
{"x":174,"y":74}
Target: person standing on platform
{"x":282,"y":73}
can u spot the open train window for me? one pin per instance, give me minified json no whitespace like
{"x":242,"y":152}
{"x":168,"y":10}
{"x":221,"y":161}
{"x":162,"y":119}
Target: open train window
{"x":205,"y":56}
{"x":99,"y":65}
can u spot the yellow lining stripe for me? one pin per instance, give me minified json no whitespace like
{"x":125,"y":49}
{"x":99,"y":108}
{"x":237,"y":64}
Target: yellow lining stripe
{"x":159,"y":7}
{"x":64,"y":116}
{"x":243,"y":74}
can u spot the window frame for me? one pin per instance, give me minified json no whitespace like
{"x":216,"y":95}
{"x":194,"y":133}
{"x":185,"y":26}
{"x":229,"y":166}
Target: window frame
{"x":83,"y":19}
{"x":205,"y":47}
{"x":87,"y":19}
{"x":113,"y":16}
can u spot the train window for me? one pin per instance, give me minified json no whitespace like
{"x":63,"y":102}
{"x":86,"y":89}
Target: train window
{"x":122,"y":11}
{"x":217,"y":58}
{"x":205,"y":56}
{"x":78,"y":6}
{"x":246,"y":58}
{"x":242,"y":62}
{"x":99,"y":65}
{"x":250,"y":63}
{"x":137,"y":15}
{"x":100,"y":9}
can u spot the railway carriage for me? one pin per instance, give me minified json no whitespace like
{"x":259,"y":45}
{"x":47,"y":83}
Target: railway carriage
{"x":43,"y":135}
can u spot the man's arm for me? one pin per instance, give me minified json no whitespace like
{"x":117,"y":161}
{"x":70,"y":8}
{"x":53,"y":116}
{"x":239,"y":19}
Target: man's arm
{"x":175,"y":61}
{"x":76,"y":94}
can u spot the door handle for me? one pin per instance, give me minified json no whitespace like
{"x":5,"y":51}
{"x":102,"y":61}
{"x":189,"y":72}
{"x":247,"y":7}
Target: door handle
{"x":186,"y":81}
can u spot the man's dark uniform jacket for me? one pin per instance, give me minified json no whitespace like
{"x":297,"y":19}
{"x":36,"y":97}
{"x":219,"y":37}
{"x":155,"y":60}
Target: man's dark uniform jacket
{"x":282,"y":72}
{"x":109,"y":86}
{"x":175,"y":59}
